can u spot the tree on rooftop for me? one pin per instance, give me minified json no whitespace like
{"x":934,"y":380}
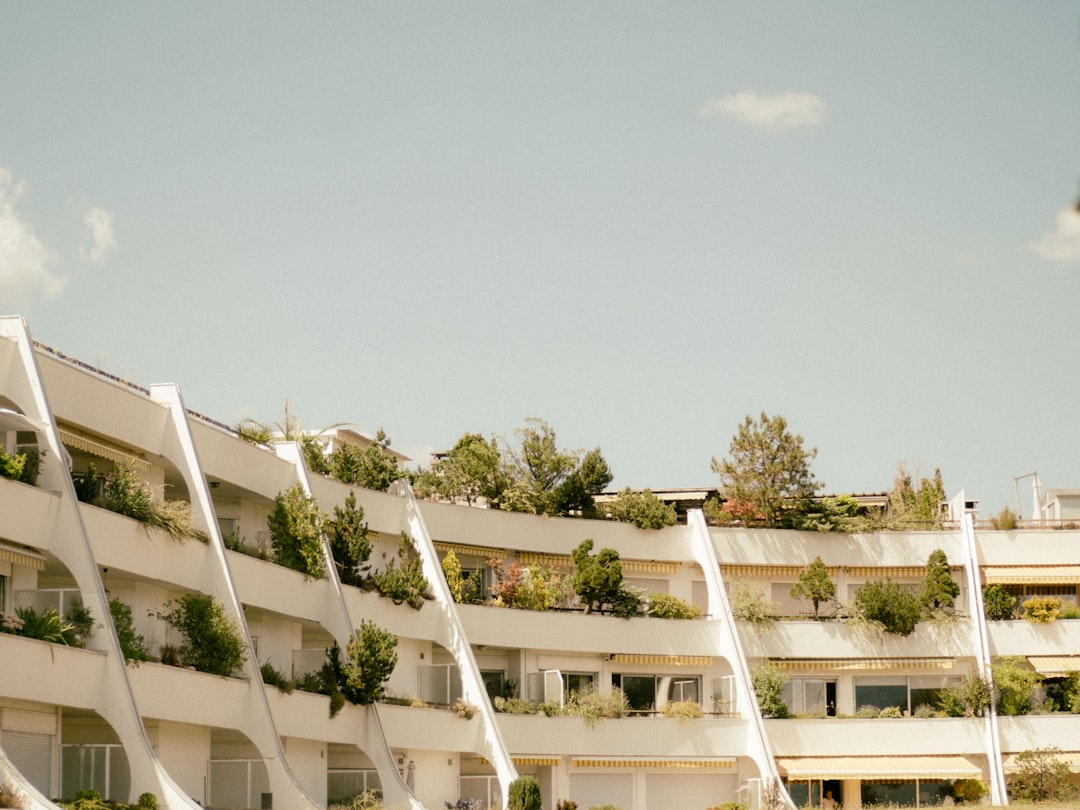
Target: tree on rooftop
{"x":374,"y":467}
{"x":768,"y":467}
{"x":643,"y":509}
{"x":471,"y":472}
{"x":911,"y":507}
{"x":547,"y":480}
{"x":814,"y":584}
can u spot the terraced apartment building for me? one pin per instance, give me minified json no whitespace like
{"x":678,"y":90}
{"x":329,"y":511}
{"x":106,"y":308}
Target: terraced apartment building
{"x":76,"y":718}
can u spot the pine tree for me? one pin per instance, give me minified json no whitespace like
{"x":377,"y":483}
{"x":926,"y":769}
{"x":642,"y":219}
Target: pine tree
{"x":814,"y":584}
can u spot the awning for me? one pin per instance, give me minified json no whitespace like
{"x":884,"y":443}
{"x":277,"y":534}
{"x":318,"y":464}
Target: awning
{"x":663,"y":660}
{"x":1055,"y":666}
{"x":470,"y":551}
{"x":21,"y":556}
{"x":604,"y":762}
{"x":525,"y":761}
{"x":1071,"y":758}
{"x":566,"y":561}
{"x":821,"y":664}
{"x":897,"y":571}
{"x":913,"y":767}
{"x":792,"y":571}
{"x":1032,"y":574}
{"x":113,"y":454}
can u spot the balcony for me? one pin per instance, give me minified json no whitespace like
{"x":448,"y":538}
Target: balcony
{"x":1021,"y":637}
{"x":576,"y":632}
{"x":660,"y":737}
{"x":900,"y":736}
{"x":32,"y":516}
{"x":834,"y":639}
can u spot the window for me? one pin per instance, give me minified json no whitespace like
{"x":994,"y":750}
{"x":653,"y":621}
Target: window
{"x":494,"y":682}
{"x":645,"y":693}
{"x":905,"y":693}
{"x":578,"y":682}
{"x":812,"y":696}
{"x":3,"y":592}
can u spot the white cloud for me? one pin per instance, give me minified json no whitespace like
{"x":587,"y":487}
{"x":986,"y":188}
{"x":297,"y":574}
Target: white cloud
{"x":24,"y":259}
{"x":776,"y":113}
{"x":1063,"y":244}
{"x":100,"y":224}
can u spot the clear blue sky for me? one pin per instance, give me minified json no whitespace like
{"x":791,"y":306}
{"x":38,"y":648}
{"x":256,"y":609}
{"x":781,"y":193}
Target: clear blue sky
{"x":639,"y":221}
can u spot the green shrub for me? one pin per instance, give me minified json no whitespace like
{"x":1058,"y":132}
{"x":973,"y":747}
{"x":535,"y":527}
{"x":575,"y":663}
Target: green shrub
{"x":1005,"y":520}
{"x":814,"y":584}
{"x":1042,"y":609}
{"x":132,"y":644}
{"x":1015,"y":683}
{"x":80,"y":623}
{"x":666,"y":606}
{"x":350,"y":541}
{"x":370,"y":658}
{"x":971,"y":698}
{"x":896,"y":608}
{"x":512,"y":705}
{"x":524,"y":794}
{"x":749,"y":604}
{"x":272,"y":676}
{"x":868,"y":711}
{"x":125,"y":493}
{"x":405,"y":584}
{"x":969,"y":791}
{"x":455,"y":582}
{"x":593,"y":706}
{"x":768,"y":681}
{"x":212,"y":642}
{"x":683,"y":710}
{"x":891,"y":711}
{"x":295,"y":532}
{"x":643,"y":509}
{"x":12,"y":465}
{"x":147,"y":801}
{"x":45,"y":626}
{"x":628,"y":603}
{"x":1042,"y":777}
{"x":998,"y":603}
{"x":939,"y":589}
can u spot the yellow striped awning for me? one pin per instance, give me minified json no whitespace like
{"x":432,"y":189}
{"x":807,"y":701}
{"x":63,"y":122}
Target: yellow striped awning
{"x":1032,"y":574}
{"x":1055,"y":666}
{"x":649,"y":567}
{"x":566,"y":561}
{"x":549,"y":560}
{"x":896,"y":571}
{"x":605,"y":762}
{"x":878,"y":768}
{"x":1070,"y":758}
{"x":820,"y":664}
{"x":21,"y":556}
{"x":668,"y":660}
{"x":526,"y":761}
{"x":462,"y":550}
{"x":735,"y":570}
{"x":105,"y":451}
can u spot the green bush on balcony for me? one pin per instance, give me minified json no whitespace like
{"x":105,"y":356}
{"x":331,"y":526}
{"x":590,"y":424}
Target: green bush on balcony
{"x":212,"y":642}
{"x":1042,"y":609}
{"x":296,"y":532}
{"x":132,"y":644}
{"x":998,"y":603}
{"x":524,"y":794}
{"x":666,"y":606}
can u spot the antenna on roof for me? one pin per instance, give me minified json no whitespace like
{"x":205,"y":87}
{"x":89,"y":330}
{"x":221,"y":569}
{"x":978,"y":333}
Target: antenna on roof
{"x":1036,"y":498}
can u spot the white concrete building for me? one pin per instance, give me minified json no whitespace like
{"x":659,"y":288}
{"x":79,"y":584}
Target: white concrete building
{"x":77,"y":718}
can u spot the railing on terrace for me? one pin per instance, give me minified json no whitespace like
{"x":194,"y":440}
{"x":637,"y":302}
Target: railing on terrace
{"x":99,"y":372}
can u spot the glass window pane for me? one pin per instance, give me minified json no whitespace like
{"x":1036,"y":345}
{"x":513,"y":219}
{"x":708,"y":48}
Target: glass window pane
{"x":880,"y":695}
{"x":890,"y":793}
{"x":640,"y":691}
{"x":814,"y":697}
{"x":493,"y":682}
{"x":578,"y":681}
